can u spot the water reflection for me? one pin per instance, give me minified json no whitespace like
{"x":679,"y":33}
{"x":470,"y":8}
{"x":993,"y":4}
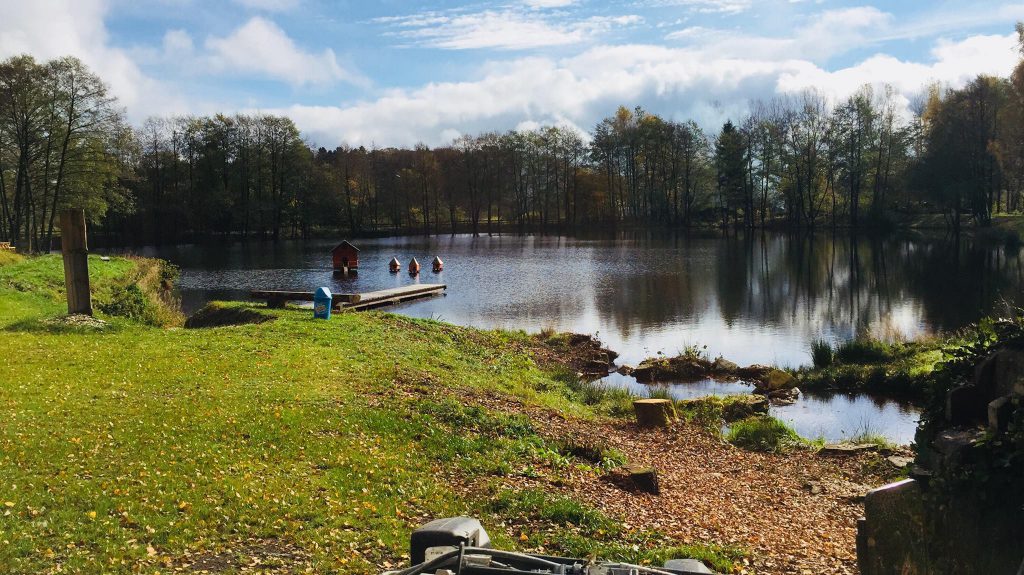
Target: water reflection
{"x":756,"y":298}
{"x":832,"y":416}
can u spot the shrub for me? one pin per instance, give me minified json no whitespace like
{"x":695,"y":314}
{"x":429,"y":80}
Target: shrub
{"x":821,"y":353}
{"x":763,"y":433}
{"x":128,"y":301}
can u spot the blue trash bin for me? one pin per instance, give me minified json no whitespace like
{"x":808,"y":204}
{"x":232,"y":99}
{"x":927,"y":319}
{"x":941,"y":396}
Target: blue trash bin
{"x":322,"y":303}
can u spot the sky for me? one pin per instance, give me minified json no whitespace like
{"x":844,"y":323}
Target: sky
{"x":396,"y":73}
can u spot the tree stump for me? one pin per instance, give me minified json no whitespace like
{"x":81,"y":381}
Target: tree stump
{"x":654,"y":412}
{"x":643,"y":478}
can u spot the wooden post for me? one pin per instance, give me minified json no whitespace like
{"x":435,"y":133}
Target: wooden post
{"x":644,"y":478}
{"x":654,"y":412}
{"x":75,"y":248}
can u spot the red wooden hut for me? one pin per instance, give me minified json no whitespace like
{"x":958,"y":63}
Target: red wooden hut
{"x":346,"y":256}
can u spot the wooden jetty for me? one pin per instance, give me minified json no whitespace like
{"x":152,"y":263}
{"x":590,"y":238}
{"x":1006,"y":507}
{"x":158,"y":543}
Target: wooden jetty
{"x":354,"y":301}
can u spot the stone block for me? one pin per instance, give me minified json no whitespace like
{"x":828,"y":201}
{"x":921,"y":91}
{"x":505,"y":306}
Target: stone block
{"x":1000,"y":411}
{"x":966,"y":405}
{"x":891,"y":537}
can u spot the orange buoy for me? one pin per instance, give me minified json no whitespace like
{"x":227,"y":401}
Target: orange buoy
{"x":438,"y":264}
{"x":394,"y":266}
{"x":414,"y":267}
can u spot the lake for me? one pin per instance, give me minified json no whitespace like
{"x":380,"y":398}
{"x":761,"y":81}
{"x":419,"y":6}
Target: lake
{"x":760,"y":298}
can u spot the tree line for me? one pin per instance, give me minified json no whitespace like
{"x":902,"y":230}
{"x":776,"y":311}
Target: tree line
{"x":800,"y":161}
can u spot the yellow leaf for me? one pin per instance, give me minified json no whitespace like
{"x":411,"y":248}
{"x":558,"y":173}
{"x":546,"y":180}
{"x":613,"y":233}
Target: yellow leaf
{"x":92,"y":515}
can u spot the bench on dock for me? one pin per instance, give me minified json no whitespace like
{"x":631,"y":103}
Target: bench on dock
{"x":354,"y":301}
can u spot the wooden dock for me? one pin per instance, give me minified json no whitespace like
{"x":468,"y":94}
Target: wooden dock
{"x":355,"y":301}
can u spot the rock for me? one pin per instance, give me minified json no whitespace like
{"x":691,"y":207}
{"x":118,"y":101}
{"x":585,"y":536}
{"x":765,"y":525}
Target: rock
{"x":743,"y":406}
{"x":784,"y":396}
{"x":1000,"y":412}
{"x":847,"y":448}
{"x":612,"y":355}
{"x":625,"y":370}
{"x":1001,"y":373}
{"x":966,"y":405}
{"x":891,"y":537}
{"x":898,"y":461}
{"x":813,"y":487}
{"x":654,"y":412}
{"x":778,"y":379}
{"x":954,"y":446}
{"x":753,"y":373}
{"x":671,"y":370}
{"x":723,"y":366}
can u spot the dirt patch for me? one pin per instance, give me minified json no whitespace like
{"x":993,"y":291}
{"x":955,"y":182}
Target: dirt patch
{"x":262,"y":556}
{"x":219,"y":315}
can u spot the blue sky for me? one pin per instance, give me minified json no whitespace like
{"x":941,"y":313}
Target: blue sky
{"x":397,"y":73}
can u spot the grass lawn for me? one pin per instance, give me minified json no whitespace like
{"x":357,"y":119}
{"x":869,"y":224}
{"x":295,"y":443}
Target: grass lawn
{"x":304,"y":444}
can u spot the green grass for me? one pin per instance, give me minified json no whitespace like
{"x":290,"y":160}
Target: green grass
{"x":125,"y":450}
{"x":874,"y":365}
{"x":764,"y":433}
{"x":822,"y":354}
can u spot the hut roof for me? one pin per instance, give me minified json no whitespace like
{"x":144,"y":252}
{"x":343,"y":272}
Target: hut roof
{"x":344,"y":244}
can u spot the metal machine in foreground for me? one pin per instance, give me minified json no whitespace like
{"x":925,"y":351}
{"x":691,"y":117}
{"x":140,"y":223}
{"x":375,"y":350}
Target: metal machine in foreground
{"x":460,"y":546}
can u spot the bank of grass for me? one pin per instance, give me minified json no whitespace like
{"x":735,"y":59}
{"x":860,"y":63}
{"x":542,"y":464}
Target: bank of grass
{"x":138,"y":449}
{"x":765,"y":433}
{"x":885,"y":365}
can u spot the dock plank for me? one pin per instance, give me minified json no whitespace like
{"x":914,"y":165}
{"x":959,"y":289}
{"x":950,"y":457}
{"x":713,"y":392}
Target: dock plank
{"x":356,"y":301}
{"x":395,"y":295}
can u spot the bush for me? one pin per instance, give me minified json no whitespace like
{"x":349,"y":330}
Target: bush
{"x":764,"y":433}
{"x":129,"y":302}
{"x":821,"y":353}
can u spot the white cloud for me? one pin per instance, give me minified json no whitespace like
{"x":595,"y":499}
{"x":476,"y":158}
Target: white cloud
{"x":549,"y":3}
{"x":177,"y":44}
{"x":260,"y":47}
{"x":954,"y":63}
{"x":504,"y":30}
{"x":53,"y":28}
{"x":678,"y":83}
{"x":824,"y":35}
{"x":269,"y":5}
{"x":706,"y":6}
